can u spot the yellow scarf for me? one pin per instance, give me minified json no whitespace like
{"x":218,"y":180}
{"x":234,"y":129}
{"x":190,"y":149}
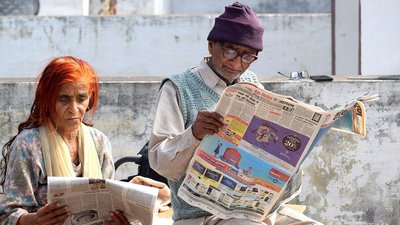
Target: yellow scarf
{"x":57,"y":158}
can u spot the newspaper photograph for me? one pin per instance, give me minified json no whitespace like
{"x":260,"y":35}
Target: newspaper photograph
{"x":241,"y":171}
{"x":91,"y":200}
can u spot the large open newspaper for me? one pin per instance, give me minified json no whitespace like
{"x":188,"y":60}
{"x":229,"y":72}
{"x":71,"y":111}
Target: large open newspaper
{"x":242,"y":171}
{"x":91,"y":200}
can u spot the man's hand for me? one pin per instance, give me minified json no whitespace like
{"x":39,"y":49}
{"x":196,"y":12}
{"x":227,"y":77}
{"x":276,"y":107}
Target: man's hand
{"x":207,"y":123}
{"x":50,"y":214}
{"x":164,"y":193}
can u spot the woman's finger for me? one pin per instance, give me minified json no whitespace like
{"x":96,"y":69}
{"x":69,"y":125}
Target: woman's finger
{"x":122,"y":217}
{"x":53,"y":213}
{"x":119,"y":218}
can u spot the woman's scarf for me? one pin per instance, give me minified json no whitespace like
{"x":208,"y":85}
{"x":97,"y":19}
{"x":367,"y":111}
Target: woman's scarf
{"x":57,"y":157}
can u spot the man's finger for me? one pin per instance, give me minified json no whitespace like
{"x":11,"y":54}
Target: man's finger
{"x":211,"y":117}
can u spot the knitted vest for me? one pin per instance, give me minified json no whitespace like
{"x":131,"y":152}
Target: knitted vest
{"x":195,"y":95}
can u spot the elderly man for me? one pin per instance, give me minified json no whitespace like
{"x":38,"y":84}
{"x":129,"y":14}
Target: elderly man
{"x":184,"y":109}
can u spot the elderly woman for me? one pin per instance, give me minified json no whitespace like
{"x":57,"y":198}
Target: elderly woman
{"x":56,"y":140}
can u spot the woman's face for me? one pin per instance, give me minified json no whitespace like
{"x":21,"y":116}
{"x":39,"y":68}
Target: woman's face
{"x":71,"y":104}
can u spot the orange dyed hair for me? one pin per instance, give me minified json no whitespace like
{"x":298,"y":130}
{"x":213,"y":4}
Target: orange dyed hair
{"x":59,"y":71}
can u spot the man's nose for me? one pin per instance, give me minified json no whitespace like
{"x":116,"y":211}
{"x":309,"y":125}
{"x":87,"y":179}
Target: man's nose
{"x":237,"y":62}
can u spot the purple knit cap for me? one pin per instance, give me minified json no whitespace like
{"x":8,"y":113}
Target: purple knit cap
{"x":239,"y":25}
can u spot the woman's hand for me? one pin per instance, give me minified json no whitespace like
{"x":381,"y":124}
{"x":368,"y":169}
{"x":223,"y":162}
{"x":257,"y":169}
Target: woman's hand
{"x":164,"y":193}
{"x":118,"y":217}
{"x":50,"y":214}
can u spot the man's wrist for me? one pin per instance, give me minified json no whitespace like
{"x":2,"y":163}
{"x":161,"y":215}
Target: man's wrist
{"x":193,"y":133}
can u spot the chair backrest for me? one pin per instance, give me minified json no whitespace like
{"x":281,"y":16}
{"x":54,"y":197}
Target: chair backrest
{"x":144,"y":169}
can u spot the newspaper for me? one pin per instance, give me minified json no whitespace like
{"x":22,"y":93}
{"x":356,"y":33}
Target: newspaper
{"x":242,"y":171}
{"x":91,"y":200}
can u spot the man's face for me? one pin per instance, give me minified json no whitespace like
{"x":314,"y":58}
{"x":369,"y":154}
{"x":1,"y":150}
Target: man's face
{"x":230,"y":69}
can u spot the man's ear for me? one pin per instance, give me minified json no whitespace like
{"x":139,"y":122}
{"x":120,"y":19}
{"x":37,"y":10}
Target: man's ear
{"x":210,"y":46}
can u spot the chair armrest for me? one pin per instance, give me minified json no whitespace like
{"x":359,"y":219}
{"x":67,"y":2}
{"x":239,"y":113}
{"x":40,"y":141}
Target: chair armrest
{"x":134,"y":159}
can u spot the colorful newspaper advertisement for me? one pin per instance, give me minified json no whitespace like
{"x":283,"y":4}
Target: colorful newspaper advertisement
{"x":242,"y":171}
{"x":91,"y":200}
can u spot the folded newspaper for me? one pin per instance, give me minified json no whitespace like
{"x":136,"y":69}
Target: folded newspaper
{"x":242,"y":171}
{"x":91,"y":200}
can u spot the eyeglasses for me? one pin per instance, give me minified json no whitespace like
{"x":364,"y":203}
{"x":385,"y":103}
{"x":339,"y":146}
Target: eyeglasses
{"x":231,"y":54}
{"x":296,"y":75}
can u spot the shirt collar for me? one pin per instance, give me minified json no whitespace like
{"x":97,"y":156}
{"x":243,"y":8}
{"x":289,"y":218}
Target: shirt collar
{"x":209,"y":77}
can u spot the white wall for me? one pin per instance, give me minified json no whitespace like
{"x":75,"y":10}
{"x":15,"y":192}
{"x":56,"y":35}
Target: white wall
{"x":346,"y":37}
{"x":148,"y":7}
{"x":62,"y":7}
{"x":348,"y":180}
{"x":130,"y":7}
{"x":259,"y":6}
{"x":156,"y":45}
{"x":380,"y":46}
